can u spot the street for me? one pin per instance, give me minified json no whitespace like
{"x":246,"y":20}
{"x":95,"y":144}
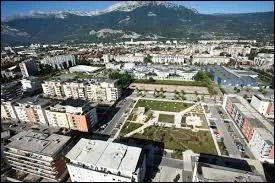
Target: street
{"x":228,"y":141}
{"x":117,"y":118}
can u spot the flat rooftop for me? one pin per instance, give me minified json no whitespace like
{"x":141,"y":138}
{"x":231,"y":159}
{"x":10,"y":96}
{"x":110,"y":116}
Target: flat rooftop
{"x":105,"y":154}
{"x":84,"y":68}
{"x":35,"y":100}
{"x":38,"y":143}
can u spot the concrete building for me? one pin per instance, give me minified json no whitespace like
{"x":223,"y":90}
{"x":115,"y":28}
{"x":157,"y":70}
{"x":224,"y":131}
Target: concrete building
{"x":264,"y":60}
{"x":101,"y":161}
{"x":38,"y":154}
{"x":8,"y":111}
{"x":262,"y":145}
{"x":28,"y":68}
{"x":263,"y":105}
{"x":212,"y":168}
{"x":72,"y":114}
{"x":52,"y":88}
{"x":31,"y":110}
{"x":59,"y":61}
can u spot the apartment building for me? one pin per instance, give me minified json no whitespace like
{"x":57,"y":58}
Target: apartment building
{"x":169,"y":58}
{"x":262,"y":145}
{"x":212,"y":168}
{"x":59,"y":61}
{"x":95,"y":90}
{"x":263,"y":105}
{"x":28,"y":68}
{"x":39,"y":154}
{"x":31,"y":110}
{"x":264,"y":60}
{"x":207,"y":59}
{"x":75,"y":114}
{"x":250,"y":122}
{"x":101,"y":161}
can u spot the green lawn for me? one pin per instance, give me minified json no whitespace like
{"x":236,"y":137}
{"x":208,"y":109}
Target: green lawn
{"x":162,"y":105}
{"x":128,"y":127}
{"x":166,"y":118}
{"x":222,"y":148}
{"x":180,"y":139}
{"x":132,"y":116}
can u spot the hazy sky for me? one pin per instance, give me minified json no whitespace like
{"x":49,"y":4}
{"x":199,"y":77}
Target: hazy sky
{"x":9,"y":8}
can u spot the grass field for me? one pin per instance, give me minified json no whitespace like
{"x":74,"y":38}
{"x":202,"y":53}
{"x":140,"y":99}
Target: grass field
{"x":128,"y":127}
{"x":162,"y":105}
{"x":180,"y":139}
{"x":166,"y":118}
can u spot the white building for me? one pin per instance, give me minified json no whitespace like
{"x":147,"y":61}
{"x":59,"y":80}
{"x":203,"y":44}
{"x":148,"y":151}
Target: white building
{"x":262,"y":145}
{"x":207,"y":59}
{"x":186,"y":75}
{"x":94,"y":90}
{"x":129,"y":66}
{"x":83,"y":69}
{"x":58,"y":61}
{"x":129,"y":58}
{"x":7,"y":110}
{"x":169,"y":58}
{"x":112,"y":66}
{"x":263,"y":105}
{"x":30,"y":84}
{"x":101,"y":161}
{"x":28,"y":68}
{"x":264,"y":60}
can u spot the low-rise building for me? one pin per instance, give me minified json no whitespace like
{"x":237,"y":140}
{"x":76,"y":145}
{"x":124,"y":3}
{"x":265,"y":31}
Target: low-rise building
{"x":30,"y":84}
{"x":39,"y":154}
{"x":101,"y":161}
{"x":83,"y":69}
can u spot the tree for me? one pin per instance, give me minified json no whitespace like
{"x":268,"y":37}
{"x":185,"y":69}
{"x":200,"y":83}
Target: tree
{"x":245,"y":96}
{"x":70,"y":63}
{"x":238,"y":90}
{"x":196,"y":93}
{"x":235,"y":88}
{"x":148,"y":59}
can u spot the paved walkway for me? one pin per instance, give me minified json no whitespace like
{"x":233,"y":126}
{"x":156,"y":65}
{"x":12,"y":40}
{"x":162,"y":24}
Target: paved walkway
{"x":149,"y":123}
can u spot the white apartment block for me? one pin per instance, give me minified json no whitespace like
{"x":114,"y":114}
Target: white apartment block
{"x":58,"y":61}
{"x":129,"y":66}
{"x":263,"y":105}
{"x":262,"y":145}
{"x":30,"y":84}
{"x":129,"y":58}
{"x":101,"y":161}
{"x":264,"y":60}
{"x":94,"y":90}
{"x":52,"y":88}
{"x":169,"y":58}
{"x":207,"y":59}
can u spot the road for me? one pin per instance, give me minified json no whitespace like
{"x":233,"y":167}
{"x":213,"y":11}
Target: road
{"x":227,"y":139}
{"x":117,"y":118}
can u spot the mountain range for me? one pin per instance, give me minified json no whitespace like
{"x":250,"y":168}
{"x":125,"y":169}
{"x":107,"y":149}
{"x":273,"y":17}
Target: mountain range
{"x":141,"y":20}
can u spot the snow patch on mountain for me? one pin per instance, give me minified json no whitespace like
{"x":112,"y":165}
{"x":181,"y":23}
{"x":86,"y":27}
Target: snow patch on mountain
{"x":126,"y":20}
{"x":102,"y":33}
{"x":5,"y":29}
{"x":151,"y":14}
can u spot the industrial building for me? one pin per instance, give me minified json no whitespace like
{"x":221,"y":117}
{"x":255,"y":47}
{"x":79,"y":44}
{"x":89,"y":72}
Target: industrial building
{"x":101,"y":161}
{"x":228,"y":78}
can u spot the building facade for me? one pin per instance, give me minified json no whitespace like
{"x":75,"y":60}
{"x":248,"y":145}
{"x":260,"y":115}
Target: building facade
{"x":263,"y":105}
{"x":28,"y":68}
